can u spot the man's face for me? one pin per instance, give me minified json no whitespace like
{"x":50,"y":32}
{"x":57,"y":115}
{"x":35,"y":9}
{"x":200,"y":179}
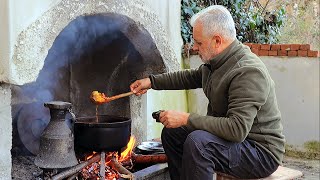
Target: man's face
{"x":203,"y":45}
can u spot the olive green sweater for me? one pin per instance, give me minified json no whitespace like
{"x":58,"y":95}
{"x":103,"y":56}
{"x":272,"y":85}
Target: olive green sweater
{"x":242,"y":99}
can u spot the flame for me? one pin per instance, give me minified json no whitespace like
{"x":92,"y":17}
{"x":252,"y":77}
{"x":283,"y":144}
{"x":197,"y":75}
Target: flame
{"x":126,"y":154}
{"x":92,"y":171}
{"x":90,"y":156}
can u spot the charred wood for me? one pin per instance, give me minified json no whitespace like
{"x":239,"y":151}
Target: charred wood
{"x":124,"y":173}
{"x":75,"y":169}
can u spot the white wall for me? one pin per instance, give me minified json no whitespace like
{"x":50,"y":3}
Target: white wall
{"x":5,"y":132}
{"x":297,"y":89}
{"x":4,"y":41}
{"x":168,"y":12}
{"x":15,"y":16}
{"x":23,"y":12}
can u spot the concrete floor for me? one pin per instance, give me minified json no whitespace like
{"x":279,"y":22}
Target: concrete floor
{"x":309,"y":168}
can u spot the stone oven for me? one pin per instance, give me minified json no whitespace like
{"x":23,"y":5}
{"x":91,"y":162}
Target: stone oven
{"x":72,"y":49}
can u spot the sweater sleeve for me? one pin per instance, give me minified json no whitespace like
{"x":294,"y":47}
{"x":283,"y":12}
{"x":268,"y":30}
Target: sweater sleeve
{"x":187,"y":79}
{"x":248,"y":91}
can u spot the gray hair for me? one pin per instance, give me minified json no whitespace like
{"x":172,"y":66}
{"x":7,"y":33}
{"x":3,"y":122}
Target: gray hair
{"x":216,"y":19}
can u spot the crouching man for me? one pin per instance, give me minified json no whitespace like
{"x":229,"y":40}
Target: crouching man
{"x":241,"y":134}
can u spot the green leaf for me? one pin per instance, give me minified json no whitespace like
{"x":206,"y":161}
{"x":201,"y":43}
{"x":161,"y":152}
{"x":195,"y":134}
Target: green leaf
{"x":250,"y":24}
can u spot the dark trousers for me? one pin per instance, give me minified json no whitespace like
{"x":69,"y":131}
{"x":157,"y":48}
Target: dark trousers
{"x":197,"y":154}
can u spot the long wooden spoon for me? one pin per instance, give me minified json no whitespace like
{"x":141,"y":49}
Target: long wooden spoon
{"x":100,"y":98}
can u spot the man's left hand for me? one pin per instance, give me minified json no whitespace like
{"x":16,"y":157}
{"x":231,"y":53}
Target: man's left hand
{"x":173,"y":119}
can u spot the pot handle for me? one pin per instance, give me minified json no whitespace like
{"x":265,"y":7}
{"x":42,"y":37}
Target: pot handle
{"x":71,"y":121}
{"x":72,"y":115}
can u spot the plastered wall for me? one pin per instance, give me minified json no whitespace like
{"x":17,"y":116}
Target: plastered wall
{"x":5,"y":132}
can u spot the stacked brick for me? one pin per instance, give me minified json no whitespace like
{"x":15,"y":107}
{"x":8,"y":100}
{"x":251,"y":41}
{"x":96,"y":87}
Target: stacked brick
{"x":292,"y":50}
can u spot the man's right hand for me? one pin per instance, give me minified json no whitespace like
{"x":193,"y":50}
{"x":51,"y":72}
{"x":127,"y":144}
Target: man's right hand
{"x":140,"y":86}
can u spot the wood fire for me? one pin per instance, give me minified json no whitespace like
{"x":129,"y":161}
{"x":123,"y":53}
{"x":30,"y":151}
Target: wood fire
{"x":113,"y":168}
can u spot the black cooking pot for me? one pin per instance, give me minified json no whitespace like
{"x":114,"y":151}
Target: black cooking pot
{"x":110,"y":134}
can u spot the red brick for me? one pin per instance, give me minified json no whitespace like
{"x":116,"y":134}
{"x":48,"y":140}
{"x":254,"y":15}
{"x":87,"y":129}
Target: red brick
{"x":313,"y":53}
{"x":265,"y":46}
{"x":192,"y":52}
{"x":263,"y":53}
{"x":248,"y":44}
{"x":305,"y":47}
{"x":292,"y":53}
{"x":275,"y":46}
{"x":255,"y":46}
{"x":273,"y":53}
{"x":294,"y":47}
{"x":285,"y":46}
{"x":302,"y":53}
{"x":256,"y":51}
{"x":282,"y":53}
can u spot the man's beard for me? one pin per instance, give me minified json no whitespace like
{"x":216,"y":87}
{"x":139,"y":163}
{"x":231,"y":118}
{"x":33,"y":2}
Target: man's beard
{"x":207,"y":60}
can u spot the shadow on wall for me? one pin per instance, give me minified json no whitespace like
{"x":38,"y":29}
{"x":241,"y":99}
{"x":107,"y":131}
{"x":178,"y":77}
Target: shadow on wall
{"x":104,"y":52}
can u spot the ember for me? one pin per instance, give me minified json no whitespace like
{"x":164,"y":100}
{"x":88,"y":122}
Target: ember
{"x":92,"y":172}
{"x":112,"y":167}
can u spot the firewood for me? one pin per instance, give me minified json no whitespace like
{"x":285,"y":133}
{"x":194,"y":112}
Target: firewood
{"x":127,"y":162}
{"x":73,"y":177}
{"x":124,"y":173}
{"x":155,"y":158}
{"x":103,"y":165}
{"x":73,"y":170}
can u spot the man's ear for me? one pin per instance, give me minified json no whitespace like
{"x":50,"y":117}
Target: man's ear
{"x":217,"y":41}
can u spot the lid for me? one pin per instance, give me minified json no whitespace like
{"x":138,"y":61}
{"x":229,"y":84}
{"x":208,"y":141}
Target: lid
{"x":58,"y":105}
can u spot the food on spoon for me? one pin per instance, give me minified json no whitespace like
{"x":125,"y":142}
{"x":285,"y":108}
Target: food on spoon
{"x":98,"y":97}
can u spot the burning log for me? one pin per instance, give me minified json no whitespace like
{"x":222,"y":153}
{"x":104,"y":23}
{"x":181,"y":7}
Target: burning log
{"x":75,"y":169}
{"x":155,"y":158}
{"x":122,"y":170}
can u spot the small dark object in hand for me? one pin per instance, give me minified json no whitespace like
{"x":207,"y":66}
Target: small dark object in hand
{"x":156,"y":115}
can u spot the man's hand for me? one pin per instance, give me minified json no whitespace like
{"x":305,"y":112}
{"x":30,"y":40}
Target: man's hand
{"x":140,"y":86}
{"x":174,"y":119}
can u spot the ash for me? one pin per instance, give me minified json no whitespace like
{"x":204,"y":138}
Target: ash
{"x":23,"y":167}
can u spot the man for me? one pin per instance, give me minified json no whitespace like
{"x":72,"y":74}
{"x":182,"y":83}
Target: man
{"x":241,"y":134}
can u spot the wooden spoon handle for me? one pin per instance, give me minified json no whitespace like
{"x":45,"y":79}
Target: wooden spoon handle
{"x":119,"y":96}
